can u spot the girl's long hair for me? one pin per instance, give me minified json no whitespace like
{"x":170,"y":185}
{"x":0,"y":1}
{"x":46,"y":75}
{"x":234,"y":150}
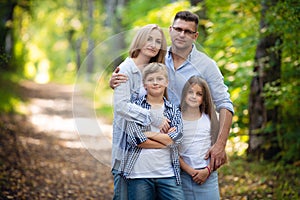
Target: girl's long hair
{"x":207,"y":105}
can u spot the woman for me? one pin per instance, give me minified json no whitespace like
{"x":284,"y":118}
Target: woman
{"x":149,"y":45}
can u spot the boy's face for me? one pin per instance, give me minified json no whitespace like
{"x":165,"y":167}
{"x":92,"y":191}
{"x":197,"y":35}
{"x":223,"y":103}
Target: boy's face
{"x":155,"y":84}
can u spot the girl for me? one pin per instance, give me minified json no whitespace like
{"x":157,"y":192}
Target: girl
{"x":149,"y":45}
{"x":200,"y":127}
{"x":152,"y":165}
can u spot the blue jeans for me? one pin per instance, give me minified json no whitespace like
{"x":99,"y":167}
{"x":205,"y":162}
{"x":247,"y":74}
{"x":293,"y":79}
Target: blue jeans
{"x":120,"y":186}
{"x":154,"y":188}
{"x":208,"y":190}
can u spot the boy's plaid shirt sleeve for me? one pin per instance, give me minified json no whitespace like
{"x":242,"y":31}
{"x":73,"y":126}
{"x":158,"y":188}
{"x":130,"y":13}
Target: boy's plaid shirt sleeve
{"x":173,"y":113}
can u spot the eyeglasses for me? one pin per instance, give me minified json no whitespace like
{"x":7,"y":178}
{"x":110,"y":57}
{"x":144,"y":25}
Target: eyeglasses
{"x":185,"y":31}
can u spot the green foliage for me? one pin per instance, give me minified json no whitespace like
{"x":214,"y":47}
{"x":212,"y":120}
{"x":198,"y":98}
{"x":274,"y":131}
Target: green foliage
{"x":139,"y":12}
{"x":232,"y":45}
{"x":259,"y":180}
{"x":10,"y":100}
{"x":52,"y":35}
{"x":284,"y":20}
{"x":46,"y":40}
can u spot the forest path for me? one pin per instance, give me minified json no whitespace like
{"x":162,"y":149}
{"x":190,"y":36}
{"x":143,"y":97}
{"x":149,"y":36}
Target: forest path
{"x":43,"y":156}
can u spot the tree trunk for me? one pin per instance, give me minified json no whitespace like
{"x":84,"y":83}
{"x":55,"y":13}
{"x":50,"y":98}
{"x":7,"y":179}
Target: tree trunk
{"x":91,"y":43}
{"x":263,"y":143}
{"x":6,"y":34}
{"x":114,"y":20}
{"x":202,"y":19}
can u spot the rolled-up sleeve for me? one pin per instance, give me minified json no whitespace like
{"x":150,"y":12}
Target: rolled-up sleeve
{"x":219,"y":90}
{"x":135,"y":134}
{"x":176,"y":121}
{"x":128,"y":110}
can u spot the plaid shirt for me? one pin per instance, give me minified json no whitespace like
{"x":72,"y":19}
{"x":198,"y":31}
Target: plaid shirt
{"x":136,"y":136}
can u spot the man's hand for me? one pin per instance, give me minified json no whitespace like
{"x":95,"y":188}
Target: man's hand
{"x":116,"y":79}
{"x":217,"y":156}
{"x":217,"y":152}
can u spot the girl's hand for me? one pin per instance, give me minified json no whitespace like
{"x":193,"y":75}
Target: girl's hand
{"x":201,"y":175}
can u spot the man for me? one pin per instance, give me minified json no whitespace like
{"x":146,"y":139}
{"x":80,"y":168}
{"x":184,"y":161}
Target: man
{"x":183,"y":61}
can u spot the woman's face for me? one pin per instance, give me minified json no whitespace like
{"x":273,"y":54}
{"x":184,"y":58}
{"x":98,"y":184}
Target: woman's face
{"x":153,"y":44}
{"x":194,"y":96}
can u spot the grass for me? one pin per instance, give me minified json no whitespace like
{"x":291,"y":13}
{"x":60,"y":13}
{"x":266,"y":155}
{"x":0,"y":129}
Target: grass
{"x":242,"y":179}
{"x":10,"y":100}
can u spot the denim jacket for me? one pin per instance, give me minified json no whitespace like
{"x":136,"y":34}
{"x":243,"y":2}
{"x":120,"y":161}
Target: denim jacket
{"x":125,"y":110}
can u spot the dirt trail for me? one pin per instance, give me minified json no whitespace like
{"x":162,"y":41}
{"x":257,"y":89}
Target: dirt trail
{"x":43,"y":156}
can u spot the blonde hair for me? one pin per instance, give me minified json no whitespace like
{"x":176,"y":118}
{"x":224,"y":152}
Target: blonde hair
{"x":207,"y":104}
{"x":155,"y":67}
{"x":140,"y":39}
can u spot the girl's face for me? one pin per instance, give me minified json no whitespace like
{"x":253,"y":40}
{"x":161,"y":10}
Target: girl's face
{"x":194,"y":97}
{"x":155,"y":84}
{"x":153,"y":44}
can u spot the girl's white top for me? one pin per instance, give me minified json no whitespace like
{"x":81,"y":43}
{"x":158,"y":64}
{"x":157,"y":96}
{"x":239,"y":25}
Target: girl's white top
{"x":196,"y":141}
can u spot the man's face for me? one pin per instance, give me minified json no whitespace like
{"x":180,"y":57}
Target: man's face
{"x":183,"y":34}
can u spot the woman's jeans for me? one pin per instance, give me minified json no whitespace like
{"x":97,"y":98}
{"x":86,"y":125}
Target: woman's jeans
{"x":154,"y":188}
{"x":208,"y":190}
{"x":120,"y":186}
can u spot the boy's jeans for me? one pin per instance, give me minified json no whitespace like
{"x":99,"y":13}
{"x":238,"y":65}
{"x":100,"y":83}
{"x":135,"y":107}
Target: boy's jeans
{"x":154,"y":188}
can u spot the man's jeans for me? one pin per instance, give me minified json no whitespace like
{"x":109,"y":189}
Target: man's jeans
{"x":154,"y":188}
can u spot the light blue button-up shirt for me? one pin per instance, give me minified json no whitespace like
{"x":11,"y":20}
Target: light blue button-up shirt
{"x":201,"y":65}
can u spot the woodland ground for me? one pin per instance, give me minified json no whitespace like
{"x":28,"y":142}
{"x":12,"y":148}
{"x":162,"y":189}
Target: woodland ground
{"x":43,"y":157}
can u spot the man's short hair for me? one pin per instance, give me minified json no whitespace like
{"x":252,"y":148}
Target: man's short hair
{"x":187,"y":16}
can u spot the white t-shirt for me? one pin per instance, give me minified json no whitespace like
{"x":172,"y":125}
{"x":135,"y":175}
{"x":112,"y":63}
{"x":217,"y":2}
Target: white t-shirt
{"x":196,"y":141}
{"x":153,"y":163}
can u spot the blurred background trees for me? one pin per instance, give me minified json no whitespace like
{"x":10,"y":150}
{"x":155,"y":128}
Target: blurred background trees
{"x":255,"y":43}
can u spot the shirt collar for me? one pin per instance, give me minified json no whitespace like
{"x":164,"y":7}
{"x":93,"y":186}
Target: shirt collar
{"x":135,"y":69}
{"x":144,"y":101}
{"x":169,"y":53}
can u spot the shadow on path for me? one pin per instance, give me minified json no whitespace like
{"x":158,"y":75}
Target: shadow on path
{"x":43,"y":157}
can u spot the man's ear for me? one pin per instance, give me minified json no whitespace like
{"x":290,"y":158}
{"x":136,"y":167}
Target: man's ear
{"x":196,"y":35}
